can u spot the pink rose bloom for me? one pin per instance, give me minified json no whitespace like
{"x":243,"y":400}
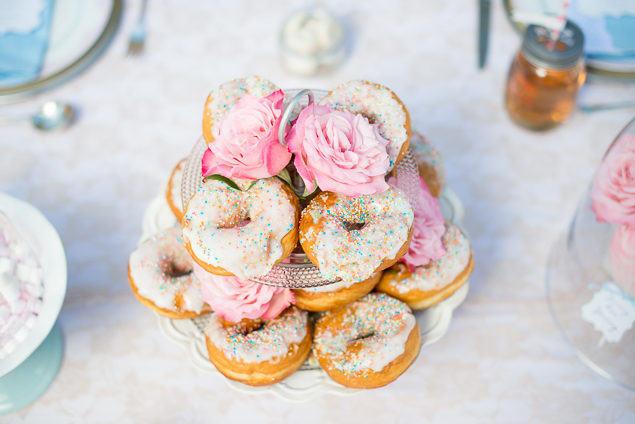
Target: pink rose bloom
{"x":429,"y":226}
{"x":234,"y":299}
{"x":338,"y":151}
{"x":622,"y":258}
{"x":613,"y":192}
{"x":247,"y":144}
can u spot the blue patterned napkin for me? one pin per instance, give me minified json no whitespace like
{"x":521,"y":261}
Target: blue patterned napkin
{"x":23,"y":41}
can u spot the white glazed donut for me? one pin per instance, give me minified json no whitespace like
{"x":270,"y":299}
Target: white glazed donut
{"x":259,"y":352}
{"x":427,"y":285}
{"x":367,"y":343}
{"x":381,"y":106}
{"x":354,"y":237}
{"x":173,"y":190}
{"x":334,"y":295}
{"x":242,"y":233}
{"x":221,"y":99}
{"x":161,"y":277}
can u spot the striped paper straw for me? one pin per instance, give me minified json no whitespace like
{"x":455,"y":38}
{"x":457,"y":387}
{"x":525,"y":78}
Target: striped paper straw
{"x":561,"y":18}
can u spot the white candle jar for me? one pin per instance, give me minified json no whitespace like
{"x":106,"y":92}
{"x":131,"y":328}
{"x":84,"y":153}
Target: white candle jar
{"x":312,"y":41}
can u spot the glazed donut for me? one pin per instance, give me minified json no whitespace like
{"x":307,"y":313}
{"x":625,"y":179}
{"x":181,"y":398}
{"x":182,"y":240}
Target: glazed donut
{"x":259,"y":352}
{"x":333,"y":295}
{"x":173,"y":190}
{"x":243,"y":233}
{"x":368,"y":343}
{"x":352,"y":238}
{"x":381,"y":106}
{"x":429,"y":284}
{"x":161,"y":277}
{"x":221,"y":99}
{"x":429,"y":163}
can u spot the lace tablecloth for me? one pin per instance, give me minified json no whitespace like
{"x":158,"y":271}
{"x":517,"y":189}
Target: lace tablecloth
{"x":502,"y":359}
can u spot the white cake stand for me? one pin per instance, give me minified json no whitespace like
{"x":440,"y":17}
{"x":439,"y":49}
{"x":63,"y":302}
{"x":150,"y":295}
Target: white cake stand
{"x":309,"y":381}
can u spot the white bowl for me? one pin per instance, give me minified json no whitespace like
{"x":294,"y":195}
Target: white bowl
{"x":48,"y":248}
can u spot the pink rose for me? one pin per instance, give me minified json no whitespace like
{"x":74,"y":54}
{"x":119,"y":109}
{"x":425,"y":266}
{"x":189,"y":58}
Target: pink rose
{"x":613,"y":192}
{"x":622,"y":258}
{"x":338,"y":151}
{"x":247,"y":144}
{"x":234,"y":299}
{"x":429,"y":226}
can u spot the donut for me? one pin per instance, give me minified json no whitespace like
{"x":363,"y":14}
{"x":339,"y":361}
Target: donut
{"x":221,"y":99}
{"x":160,"y":275}
{"x":259,"y":352}
{"x":427,"y":285}
{"x":368,"y":343}
{"x":173,"y":190}
{"x":229,"y":231}
{"x":429,"y":163}
{"x":334,"y":295}
{"x":381,"y":106}
{"x":351,"y":238}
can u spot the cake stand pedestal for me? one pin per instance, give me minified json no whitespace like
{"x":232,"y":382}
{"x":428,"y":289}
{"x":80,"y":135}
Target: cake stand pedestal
{"x":29,"y":380}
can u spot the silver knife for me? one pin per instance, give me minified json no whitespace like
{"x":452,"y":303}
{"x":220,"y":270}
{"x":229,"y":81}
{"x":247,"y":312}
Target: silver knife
{"x":483,"y":31}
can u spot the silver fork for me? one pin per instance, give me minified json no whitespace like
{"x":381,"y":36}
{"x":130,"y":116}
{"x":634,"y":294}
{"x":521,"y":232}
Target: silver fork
{"x":138,"y":35}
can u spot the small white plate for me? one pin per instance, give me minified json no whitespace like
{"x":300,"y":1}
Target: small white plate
{"x":309,"y":381}
{"x":48,"y":248}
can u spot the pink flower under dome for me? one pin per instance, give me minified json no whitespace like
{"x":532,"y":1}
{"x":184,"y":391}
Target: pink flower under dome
{"x":613,"y":192}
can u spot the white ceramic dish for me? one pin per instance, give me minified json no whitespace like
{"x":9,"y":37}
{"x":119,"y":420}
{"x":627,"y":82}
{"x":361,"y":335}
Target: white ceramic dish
{"x":46,"y":243}
{"x":309,"y":381}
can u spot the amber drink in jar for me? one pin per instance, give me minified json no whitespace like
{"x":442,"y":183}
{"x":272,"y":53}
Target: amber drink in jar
{"x":545,"y":77}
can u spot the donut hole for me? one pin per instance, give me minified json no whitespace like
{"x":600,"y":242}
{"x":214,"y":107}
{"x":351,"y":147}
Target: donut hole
{"x":362,"y":336}
{"x":353,"y":226}
{"x":175,"y":270}
{"x":353,"y":214}
{"x":236,"y":220}
{"x":249,"y":326}
{"x":244,"y":326}
{"x":243,"y":222}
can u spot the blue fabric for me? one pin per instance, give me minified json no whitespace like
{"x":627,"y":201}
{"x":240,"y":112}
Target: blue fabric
{"x":22,"y":55}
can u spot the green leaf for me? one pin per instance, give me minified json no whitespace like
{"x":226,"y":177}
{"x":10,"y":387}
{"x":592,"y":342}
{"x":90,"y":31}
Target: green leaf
{"x":225,"y":180}
{"x":307,"y":195}
{"x":285,"y":176}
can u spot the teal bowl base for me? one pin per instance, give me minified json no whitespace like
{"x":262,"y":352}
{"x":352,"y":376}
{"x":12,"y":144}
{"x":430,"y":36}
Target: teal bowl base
{"x":23,"y":385}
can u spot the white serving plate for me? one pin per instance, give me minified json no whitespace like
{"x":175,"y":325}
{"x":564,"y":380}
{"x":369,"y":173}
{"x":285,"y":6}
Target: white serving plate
{"x":80,"y":32}
{"x":48,"y":248}
{"x":309,"y":381}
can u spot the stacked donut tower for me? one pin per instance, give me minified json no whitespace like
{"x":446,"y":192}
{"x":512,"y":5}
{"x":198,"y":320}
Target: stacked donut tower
{"x":303,"y":231}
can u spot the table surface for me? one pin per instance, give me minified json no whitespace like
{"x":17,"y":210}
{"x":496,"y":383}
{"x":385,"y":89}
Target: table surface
{"x":502,"y":360}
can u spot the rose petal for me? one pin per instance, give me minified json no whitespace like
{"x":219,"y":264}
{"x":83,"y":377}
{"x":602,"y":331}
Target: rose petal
{"x":247,"y":144}
{"x":235,"y":299}
{"x":338,"y":151}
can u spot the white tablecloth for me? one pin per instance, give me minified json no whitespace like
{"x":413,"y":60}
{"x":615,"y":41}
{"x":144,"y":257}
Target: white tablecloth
{"x":503,"y":360}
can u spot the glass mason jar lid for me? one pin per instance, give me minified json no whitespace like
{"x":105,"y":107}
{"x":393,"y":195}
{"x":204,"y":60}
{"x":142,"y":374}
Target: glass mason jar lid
{"x":539,"y":48}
